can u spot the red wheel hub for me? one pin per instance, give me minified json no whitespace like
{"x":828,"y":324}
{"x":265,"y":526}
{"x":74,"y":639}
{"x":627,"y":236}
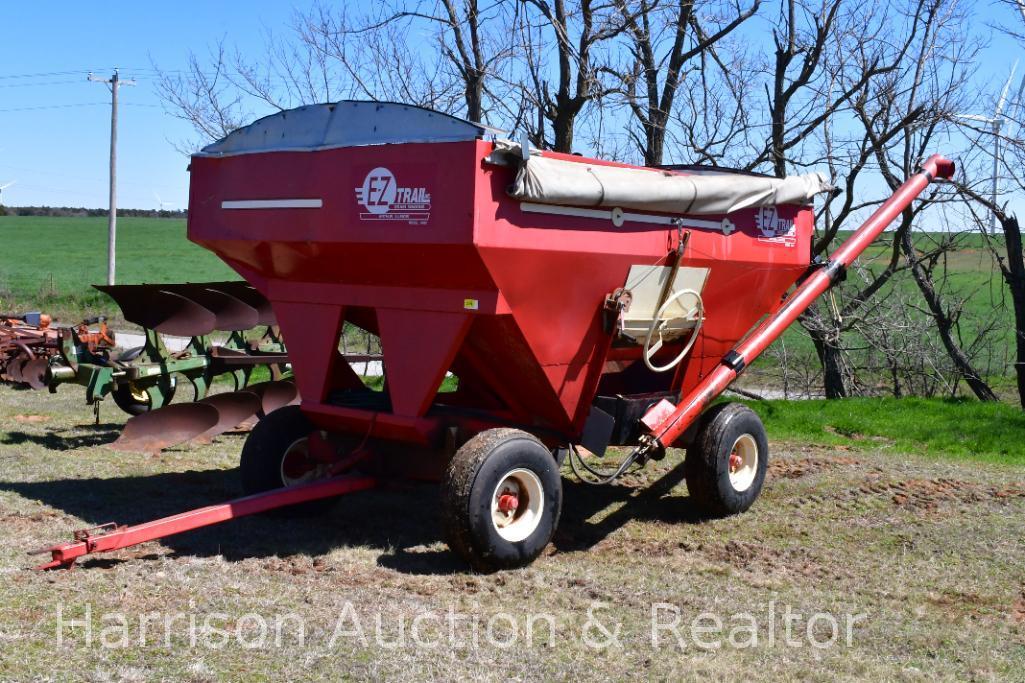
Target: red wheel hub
{"x":735,"y":461}
{"x":508,"y":502}
{"x":297,"y":464}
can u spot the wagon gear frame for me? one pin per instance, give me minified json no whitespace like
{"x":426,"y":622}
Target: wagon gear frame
{"x":579,"y":303}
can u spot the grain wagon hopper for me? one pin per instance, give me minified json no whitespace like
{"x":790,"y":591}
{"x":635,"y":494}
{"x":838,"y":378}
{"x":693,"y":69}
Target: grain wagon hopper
{"x":578,"y":303}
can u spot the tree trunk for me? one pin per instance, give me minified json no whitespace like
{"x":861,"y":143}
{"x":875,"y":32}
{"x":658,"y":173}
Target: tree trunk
{"x":656,"y":135}
{"x":564,"y":121}
{"x":562,"y":130}
{"x":1014,"y":275}
{"x":474,"y":95}
{"x":829,"y":353}
{"x":944,"y":323}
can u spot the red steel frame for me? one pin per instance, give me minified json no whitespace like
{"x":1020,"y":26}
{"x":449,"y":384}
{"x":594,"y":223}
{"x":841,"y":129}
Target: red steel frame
{"x":666,"y":422}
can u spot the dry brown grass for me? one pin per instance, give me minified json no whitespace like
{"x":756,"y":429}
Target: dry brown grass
{"x":931,"y":551}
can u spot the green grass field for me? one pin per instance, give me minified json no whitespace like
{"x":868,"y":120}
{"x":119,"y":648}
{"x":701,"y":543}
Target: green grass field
{"x":973,"y":278}
{"x":962,"y":429}
{"x":50,"y":263}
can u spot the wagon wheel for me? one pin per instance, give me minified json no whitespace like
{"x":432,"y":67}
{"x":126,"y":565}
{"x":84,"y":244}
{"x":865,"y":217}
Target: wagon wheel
{"x":501,"y":497}
{"x":277,"y":455}
{"x":726,"y":465}
{"x":658,"y":324}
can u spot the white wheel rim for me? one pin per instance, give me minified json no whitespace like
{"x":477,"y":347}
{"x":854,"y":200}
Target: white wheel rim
{"x":291,"y":475}
{"x":516,"y":505}
{"x":743,"y":462}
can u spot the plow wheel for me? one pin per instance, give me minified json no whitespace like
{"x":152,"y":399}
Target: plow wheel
{"x":135,"y":400}
{"x":277,"y":455}
{"x":727,"y":462}
{"x":501,"y":497}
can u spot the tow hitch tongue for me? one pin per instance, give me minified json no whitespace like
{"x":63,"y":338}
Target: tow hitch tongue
{"x":110,"y":536}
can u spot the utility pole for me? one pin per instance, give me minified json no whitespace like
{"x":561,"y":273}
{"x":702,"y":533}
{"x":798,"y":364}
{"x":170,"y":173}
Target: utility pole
{"x":114,"y":82}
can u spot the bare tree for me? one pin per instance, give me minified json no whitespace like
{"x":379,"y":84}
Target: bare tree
{"x":862,"y":89}
{"x":667,"y":43}
{"x":930,"y":83}
{"x":575,"y":29}
{"x":204,"y":95}
{"x":827,"y":58}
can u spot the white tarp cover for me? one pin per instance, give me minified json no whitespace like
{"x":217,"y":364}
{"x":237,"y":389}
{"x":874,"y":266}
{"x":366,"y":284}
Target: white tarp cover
{"x":556,"y":181}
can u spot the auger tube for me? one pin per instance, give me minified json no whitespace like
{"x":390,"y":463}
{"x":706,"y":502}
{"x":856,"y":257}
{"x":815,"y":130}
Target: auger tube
{"x":670,"y":427}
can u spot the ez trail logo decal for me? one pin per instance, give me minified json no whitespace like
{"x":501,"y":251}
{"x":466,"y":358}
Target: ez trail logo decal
{"x":384,"y":200}
{"x":774,"y":228}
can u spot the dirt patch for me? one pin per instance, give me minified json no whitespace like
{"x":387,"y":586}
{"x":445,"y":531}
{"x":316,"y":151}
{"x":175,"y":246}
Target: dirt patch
{"x":756,"y":558}
{"x":1018,"y":614}
{"x":917,"y":494}
{"x":648,"y":547}
{"x":795,"y":469}
{"x":29,"y":419}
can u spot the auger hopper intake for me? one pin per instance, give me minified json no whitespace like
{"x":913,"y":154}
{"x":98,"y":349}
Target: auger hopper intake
{"x":531,"y":306}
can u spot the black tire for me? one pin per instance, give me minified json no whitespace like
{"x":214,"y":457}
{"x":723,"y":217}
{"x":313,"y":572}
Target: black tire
{"x":126,"y":400}
{"x":263,"y":452}
{"x":469,"y":486}
{"x":724,"y":427}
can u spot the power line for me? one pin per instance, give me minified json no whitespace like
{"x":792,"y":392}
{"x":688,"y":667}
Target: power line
{"x":38,"y":84}
{"x":45,"y":75}
{"x":83,"y":179}
{"x":54,"y":106}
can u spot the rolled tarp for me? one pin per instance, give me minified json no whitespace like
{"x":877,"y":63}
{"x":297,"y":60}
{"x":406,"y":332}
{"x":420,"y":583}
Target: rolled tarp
{"x":547,"y":180}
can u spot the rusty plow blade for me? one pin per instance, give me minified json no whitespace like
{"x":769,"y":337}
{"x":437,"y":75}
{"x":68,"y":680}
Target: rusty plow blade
{"x":192,"y":309}
{"x":154,"y":431}
{"x":245,"y":292}
{"x":233,"y":409}
{"x":14,"y":369}
{"x":230,"y":313}
{"x":154,"y":307}
{"x":274,"y":395}
{"x":33,"y":373}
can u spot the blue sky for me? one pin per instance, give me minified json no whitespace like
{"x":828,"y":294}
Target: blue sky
{"x":54,"y":128}
{"x":58,"y":150}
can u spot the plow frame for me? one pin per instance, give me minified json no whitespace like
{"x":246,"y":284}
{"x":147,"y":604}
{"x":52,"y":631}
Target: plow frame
{"x":153,"y":369}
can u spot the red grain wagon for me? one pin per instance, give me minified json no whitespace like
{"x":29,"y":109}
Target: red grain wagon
{"x":577,"y":302}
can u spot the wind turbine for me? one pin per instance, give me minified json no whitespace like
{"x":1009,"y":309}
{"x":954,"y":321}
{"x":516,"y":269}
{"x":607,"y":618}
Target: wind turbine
{"x":4,"y":187}
{"x":162,"y":203}
{"x":996,"y":123}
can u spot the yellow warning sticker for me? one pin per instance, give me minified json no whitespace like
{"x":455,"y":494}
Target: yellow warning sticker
{"x":471,"y":304}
